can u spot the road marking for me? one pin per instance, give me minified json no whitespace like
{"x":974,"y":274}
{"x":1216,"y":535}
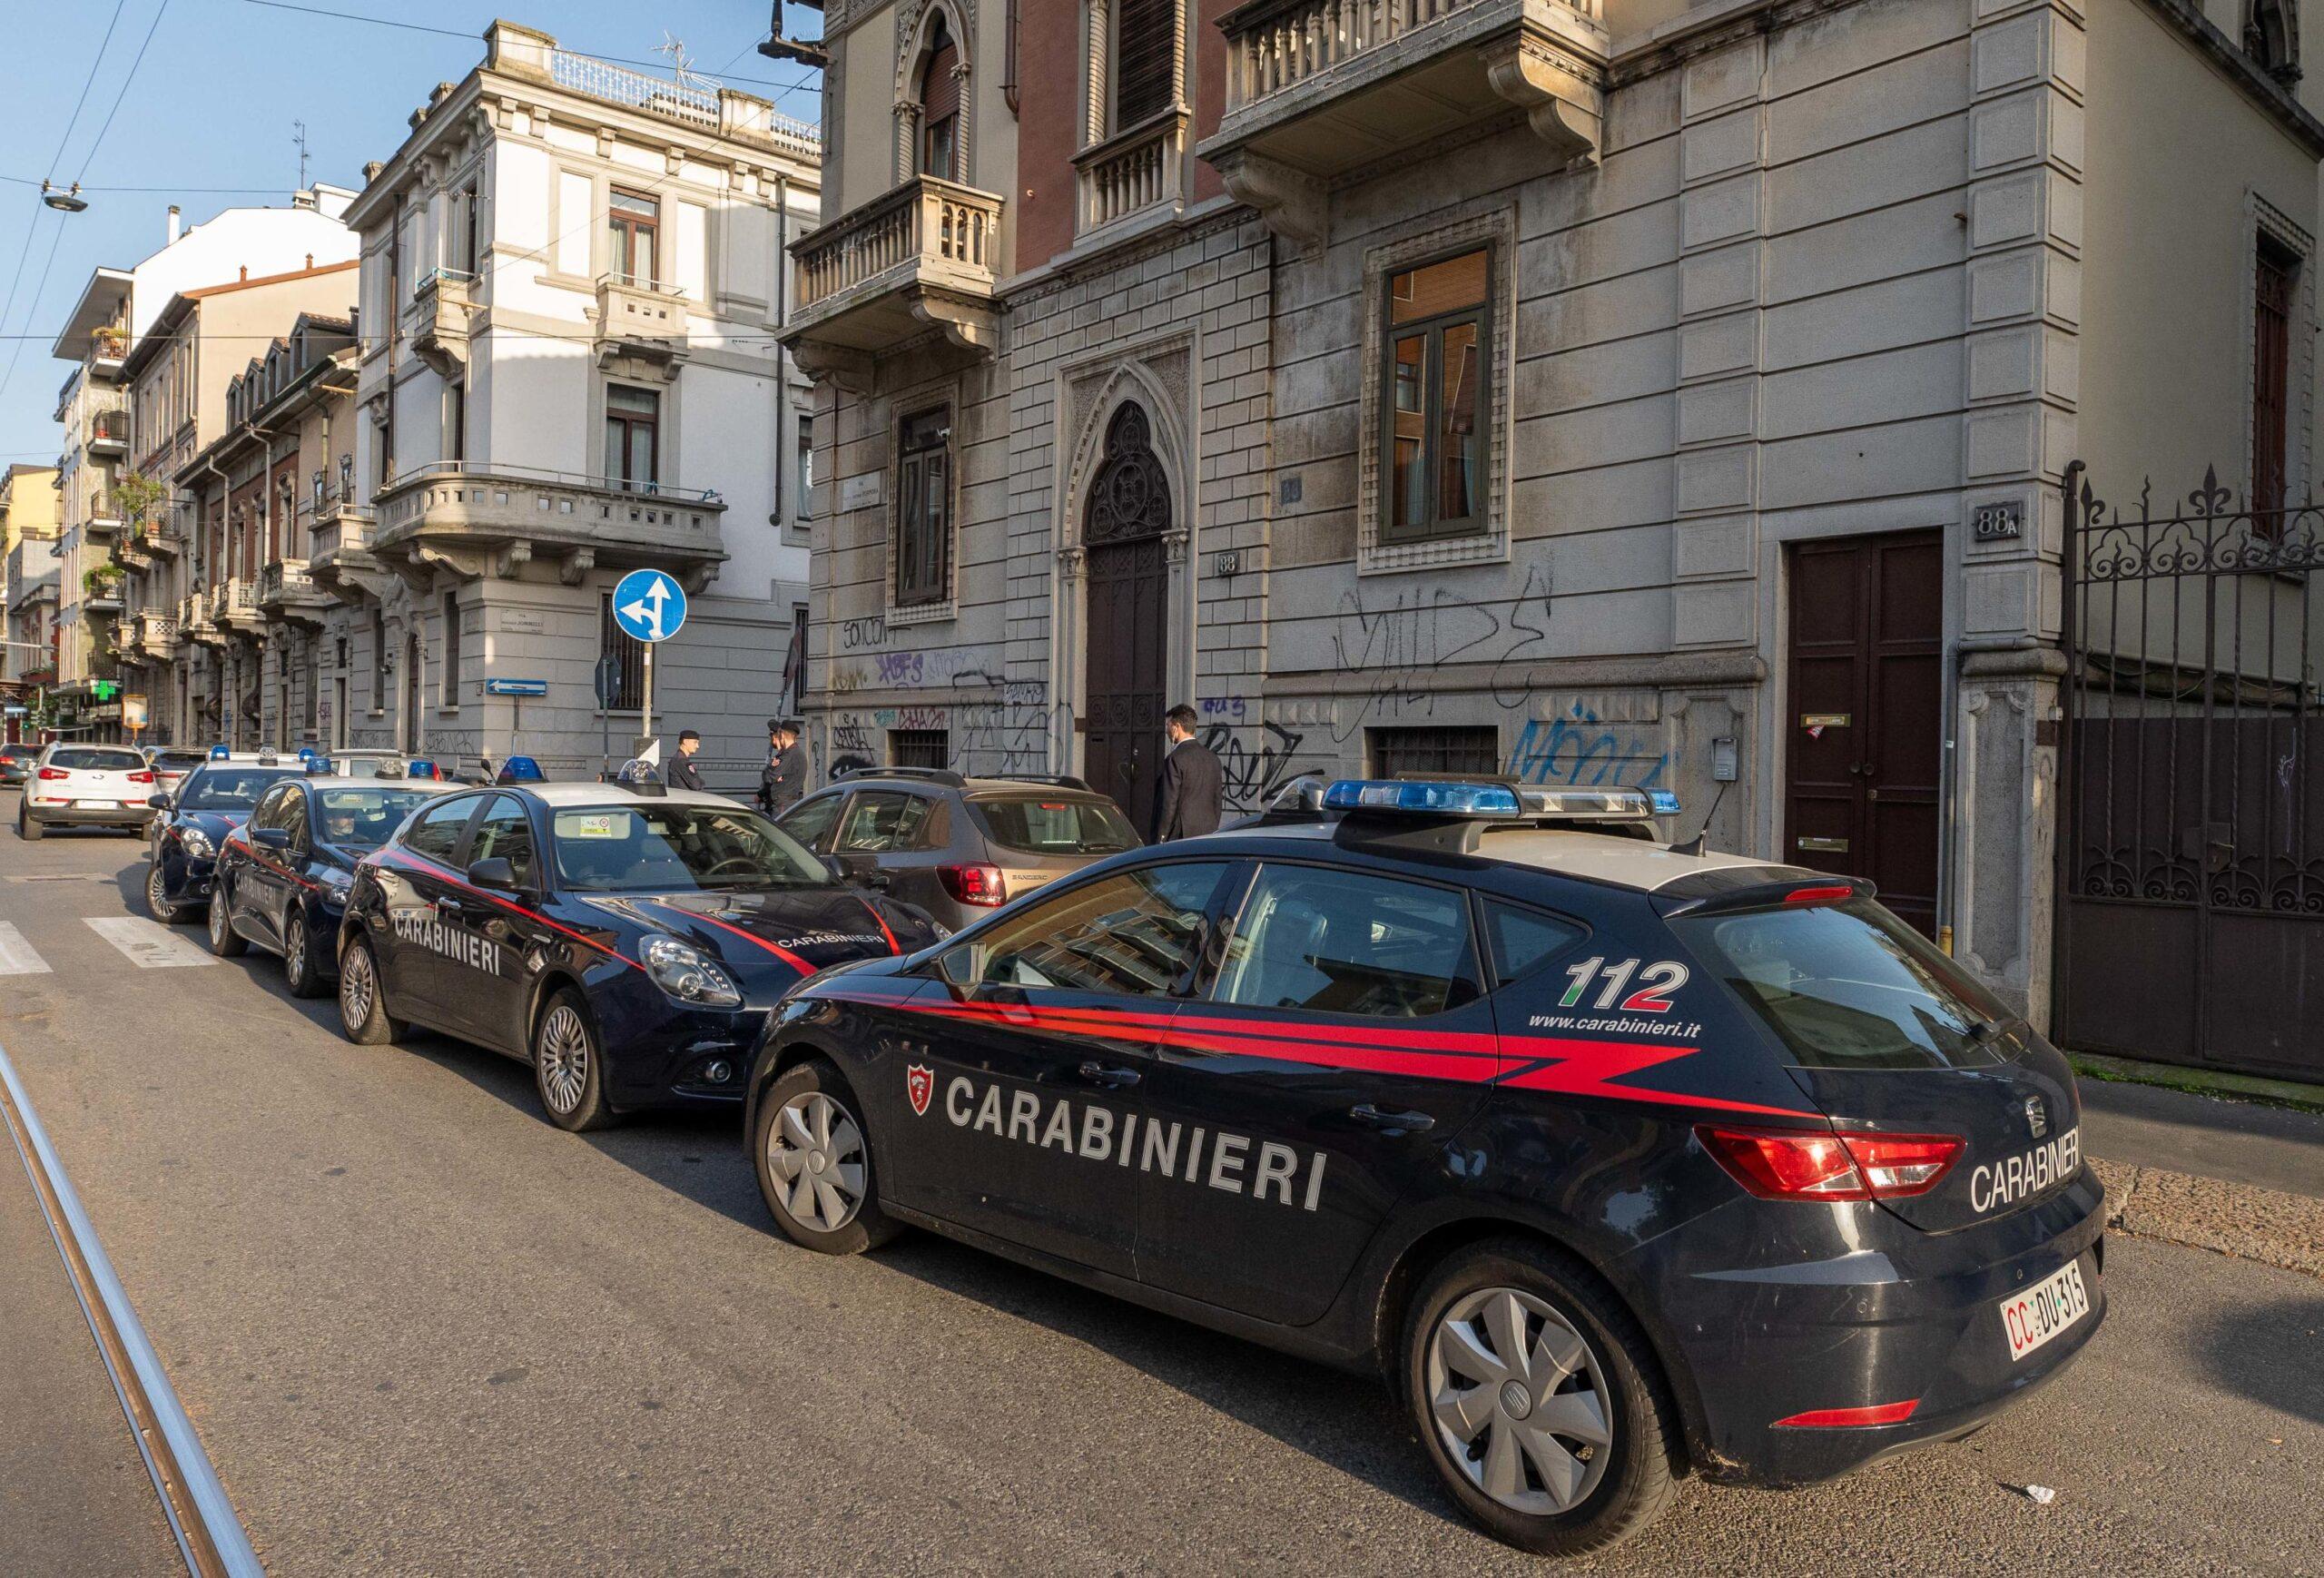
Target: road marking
{"x":148,"y":944}
{"x":209,"y":1534}
{"x":16,"y":955}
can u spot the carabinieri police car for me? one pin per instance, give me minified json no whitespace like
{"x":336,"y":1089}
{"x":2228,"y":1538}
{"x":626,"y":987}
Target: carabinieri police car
{"x":195,"y":818}
{"x":1620,"y":1159}
{"x":625,"y":941}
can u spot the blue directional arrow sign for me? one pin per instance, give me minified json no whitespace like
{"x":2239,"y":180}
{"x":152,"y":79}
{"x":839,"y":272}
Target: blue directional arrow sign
{"x":649,"y":606}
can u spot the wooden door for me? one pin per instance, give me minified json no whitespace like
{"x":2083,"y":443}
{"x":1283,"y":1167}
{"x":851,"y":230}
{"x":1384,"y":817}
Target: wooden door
{"x":1127,"y":651}
{"x":1865,"y":724}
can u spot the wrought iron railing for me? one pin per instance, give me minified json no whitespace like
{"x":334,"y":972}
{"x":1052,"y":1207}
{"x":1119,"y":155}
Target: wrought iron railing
{"x":923,"y":221}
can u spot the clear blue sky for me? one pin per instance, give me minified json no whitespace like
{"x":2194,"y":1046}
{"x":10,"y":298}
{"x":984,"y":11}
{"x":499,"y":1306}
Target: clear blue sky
{"x":213,"y":103}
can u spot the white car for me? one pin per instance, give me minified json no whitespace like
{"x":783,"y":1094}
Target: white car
{"x":86,"y":787}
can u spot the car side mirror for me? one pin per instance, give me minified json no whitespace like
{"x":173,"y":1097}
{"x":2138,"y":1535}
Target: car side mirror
{"x":272,"y":837}
{"x":833,"y":864}
{"x":160,"y":803}
{"x":493,"y":871}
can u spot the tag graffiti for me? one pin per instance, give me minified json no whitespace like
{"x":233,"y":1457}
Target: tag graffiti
{"x":1232,"y":1163}
{"x":462,"y":947}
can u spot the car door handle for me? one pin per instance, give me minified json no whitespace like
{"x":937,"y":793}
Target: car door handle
{"x":876,"y":879}
{"x":1112,"y":1078}
{"x":1371,"y":1117}
{"x":448,"y":906}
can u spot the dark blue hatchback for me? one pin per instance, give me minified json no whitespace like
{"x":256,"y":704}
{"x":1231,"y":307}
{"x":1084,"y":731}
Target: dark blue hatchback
{"x":1620,"y":1161}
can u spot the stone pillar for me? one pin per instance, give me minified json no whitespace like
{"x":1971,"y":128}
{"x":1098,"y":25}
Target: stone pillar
{"x":2024,"y":207}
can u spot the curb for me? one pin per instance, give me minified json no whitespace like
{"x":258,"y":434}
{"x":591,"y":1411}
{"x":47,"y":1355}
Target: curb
{"x":2199,"y":1081}
{"x":2276,"y":1230}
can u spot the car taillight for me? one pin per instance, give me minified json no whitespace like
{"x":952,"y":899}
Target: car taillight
{"x":52,"y":774}
{"x":1826,"y":896}
{"x":1797,"y":1164}
{"x":971,"y":884}
{"x":141,"y":777}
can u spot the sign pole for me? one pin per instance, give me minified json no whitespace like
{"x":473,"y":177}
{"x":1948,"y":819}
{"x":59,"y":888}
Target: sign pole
{"x":648,"y":729}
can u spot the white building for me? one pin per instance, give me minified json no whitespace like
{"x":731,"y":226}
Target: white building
{"x":572,"y":281}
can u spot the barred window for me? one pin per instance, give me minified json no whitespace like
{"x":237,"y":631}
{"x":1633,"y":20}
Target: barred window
{"x":1395,"y":751}
{"x":629,"y":655}
{"x":919,"y":747}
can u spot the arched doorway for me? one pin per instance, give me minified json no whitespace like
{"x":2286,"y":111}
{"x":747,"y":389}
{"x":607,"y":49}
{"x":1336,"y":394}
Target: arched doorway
{"x":1127,"y":661}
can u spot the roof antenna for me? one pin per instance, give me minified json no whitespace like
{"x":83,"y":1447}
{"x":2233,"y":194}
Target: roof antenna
{"x":1701,"y":844}
{"x":681,"y":63}
{"x":299,"y":136}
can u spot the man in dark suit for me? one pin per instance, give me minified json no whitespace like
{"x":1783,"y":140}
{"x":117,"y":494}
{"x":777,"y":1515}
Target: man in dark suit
{"x":1186,"y":799}
{"x":683,"y":772}
{"x":785,"y":779}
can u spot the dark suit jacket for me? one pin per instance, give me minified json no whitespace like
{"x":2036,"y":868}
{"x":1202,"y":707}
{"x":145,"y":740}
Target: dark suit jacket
{"x":1186,"y":799}
{"x":785,"y":779}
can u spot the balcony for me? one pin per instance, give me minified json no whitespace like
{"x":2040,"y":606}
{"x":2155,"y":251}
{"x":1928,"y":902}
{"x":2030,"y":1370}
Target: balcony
{"x":157,"y":633}
{"x":479,"y":520}
{"x":233,"y":607}
{"x":286,"y":590}
{"x":342,"y":561}
{"x":636,"y":318}
{"x":102,"y":516}
{"x":1139,"y":171}
{"x":101,"y":598}
{"x":919,"y":256}
{"x":1318,"y":88}
{"x":195,"y":622}
{"x":108,"y":348}
{"x":441,"y":309}
{"x":158,"y":539}
{"x":109,"y":433}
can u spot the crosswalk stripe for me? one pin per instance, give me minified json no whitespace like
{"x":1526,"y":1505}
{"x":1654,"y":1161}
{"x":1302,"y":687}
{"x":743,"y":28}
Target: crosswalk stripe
{"x":148,"y":944}
{"x":16,"y":955}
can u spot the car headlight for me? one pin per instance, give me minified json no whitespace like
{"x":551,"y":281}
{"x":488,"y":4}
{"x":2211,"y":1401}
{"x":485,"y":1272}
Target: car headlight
{"x":688,"y":974}
{"x":337,"y":883}
{"x":196,"y":842}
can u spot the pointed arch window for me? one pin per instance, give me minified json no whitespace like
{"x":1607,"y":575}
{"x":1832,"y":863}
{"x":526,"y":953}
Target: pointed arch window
{"x":2271,"y":38}
{"x":1130,"y":494}
{"x":940,"y":105}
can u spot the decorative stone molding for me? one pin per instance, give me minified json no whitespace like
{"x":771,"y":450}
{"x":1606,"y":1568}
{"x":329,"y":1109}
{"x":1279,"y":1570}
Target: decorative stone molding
{"x":851,"y":370}
{"x":1294,"y":206}
{"x":1563,"y":95}
{"x":575,"y":566}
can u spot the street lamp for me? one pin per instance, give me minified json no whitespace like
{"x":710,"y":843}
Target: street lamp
{"x":66,"y":201}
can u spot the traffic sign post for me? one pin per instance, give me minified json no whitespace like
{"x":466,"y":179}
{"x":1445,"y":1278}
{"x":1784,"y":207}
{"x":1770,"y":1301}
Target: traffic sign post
{"x":609,"y":687}
{"x":650,"y":608}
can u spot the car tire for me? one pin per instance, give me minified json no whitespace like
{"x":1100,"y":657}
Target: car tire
{"x":569,"y":1065}
{"x":157,"y":897}
{"x":1604,"y":1465}
{"x":27,"y":828}
{"x":224,"y":940}
{"x":363,"y":1016}
{"x":300,"y":973}
{"x":812,"y":1154}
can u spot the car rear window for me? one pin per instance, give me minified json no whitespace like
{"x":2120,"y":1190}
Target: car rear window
{"x":91,"y":759}
{"x":229,"y":788}
{"x":1849,"y":986}
{"x":1033,"y":825}
{"x":178,"y":761}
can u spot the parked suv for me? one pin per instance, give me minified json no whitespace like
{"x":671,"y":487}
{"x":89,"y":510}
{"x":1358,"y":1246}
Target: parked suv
{"x":958,"y":847}
{"x":86,"y":787}
{"x":16,"y":763}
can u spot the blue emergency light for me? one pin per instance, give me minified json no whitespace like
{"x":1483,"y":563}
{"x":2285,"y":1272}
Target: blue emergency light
{"x":219,"y":752}
{"x":1423,"y":798}
{"x":1664,"y":801}
{"x":521,"y":770}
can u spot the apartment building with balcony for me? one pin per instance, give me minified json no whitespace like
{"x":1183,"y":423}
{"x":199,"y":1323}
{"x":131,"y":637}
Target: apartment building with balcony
{"x":1586,"y":390}
{"x":140,"y":399}
{"x":573,"y":276}
{"x":30,"y":510}
{"x":249,"y":637}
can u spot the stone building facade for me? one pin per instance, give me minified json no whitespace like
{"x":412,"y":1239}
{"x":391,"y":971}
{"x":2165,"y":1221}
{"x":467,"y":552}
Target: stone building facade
{"x":1628,"y":392}
{"x":573,"y":275}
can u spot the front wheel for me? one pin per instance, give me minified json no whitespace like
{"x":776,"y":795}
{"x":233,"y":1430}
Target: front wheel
{"x":224,"y":940}
{"x":1539,"y":1400}
{"x":363,"y":1016}
{"x":157,"y":897}
{"x":569,"y":1067}
{"x":813,"y":1158}
{"x":298,"y":970}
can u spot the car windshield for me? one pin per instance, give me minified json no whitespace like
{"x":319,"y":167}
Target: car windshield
{"x":1033,"y":825}
{"x":95,"y":759}
{"x":177,"y":760}
{"x":230,"y":788}
{"x":364,"y":818}
{"x":1850,"y":986}
{"x":638,"y":849}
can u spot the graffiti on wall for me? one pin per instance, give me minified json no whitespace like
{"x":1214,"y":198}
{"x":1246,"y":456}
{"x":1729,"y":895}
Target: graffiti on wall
{"x":1577,"y":750}
{"x":1390,"y":647}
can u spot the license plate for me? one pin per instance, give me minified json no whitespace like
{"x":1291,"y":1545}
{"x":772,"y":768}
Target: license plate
{"x":2044,"y":1310}
{"x":96,"y":805}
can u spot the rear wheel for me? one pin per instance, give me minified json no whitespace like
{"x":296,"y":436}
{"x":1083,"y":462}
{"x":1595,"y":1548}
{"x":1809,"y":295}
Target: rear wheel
{"x":224,"y":940}
{"x":299,"y":972}
{"x":157,"y":897}
{"x":814,"y":1158}
{"x":363,"y":1016}
{"x":1537,"y":1398}
{"x":27,"y":829}
{"x":569,"y":1067}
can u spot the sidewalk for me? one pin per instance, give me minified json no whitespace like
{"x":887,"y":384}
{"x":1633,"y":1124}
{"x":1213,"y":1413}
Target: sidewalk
{"x":2234,"y":1177}
{"x":75,"y":1493}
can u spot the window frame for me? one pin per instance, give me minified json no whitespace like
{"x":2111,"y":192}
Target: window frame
{"x":822,"y":845}
{"x":474,"y":802}
{"x":624,"y":231}
{"x":1188,"y":987}
{"x":528,"y":879}
{"x":1229,"y":916}
{"x":626,"y":423}
{"x":1435,"y":527}
{"x":2273,"y":331}
{"x":922,"y":579}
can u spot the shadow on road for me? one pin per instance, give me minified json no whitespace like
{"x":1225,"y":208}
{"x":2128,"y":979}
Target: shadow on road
{"x":2250,"y":1351}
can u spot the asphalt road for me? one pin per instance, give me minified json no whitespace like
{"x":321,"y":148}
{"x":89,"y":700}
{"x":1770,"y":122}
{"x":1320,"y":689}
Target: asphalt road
{"x":422,"y":1331}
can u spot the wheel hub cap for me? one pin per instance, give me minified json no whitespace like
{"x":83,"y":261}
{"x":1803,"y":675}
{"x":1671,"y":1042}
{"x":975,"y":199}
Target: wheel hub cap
{"x":565,"y":1059}
{"x":1520,"y":1400}
{"x":816,"y":1154}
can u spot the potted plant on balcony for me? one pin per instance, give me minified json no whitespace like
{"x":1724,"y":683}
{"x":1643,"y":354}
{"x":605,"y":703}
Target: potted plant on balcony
{"x":139,"y":498}
{"x":111,"y":342}
{"x":100,"y":581}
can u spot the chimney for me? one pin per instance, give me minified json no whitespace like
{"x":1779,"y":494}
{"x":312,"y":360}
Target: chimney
{"x":174,"y":224}
{"x":246,"y":271}
{"x":310,"y":262}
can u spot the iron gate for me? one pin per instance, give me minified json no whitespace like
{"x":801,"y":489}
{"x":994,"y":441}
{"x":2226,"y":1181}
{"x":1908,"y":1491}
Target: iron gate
{"x":2191,"y":884}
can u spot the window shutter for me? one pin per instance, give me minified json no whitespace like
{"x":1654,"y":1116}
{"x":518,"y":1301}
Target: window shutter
{"x":940,"y":90}
{"x":1144,"y":60}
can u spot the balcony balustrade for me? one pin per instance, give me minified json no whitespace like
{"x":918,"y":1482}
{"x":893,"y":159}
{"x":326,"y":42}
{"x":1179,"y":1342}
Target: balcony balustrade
{"x":923,"y":254}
